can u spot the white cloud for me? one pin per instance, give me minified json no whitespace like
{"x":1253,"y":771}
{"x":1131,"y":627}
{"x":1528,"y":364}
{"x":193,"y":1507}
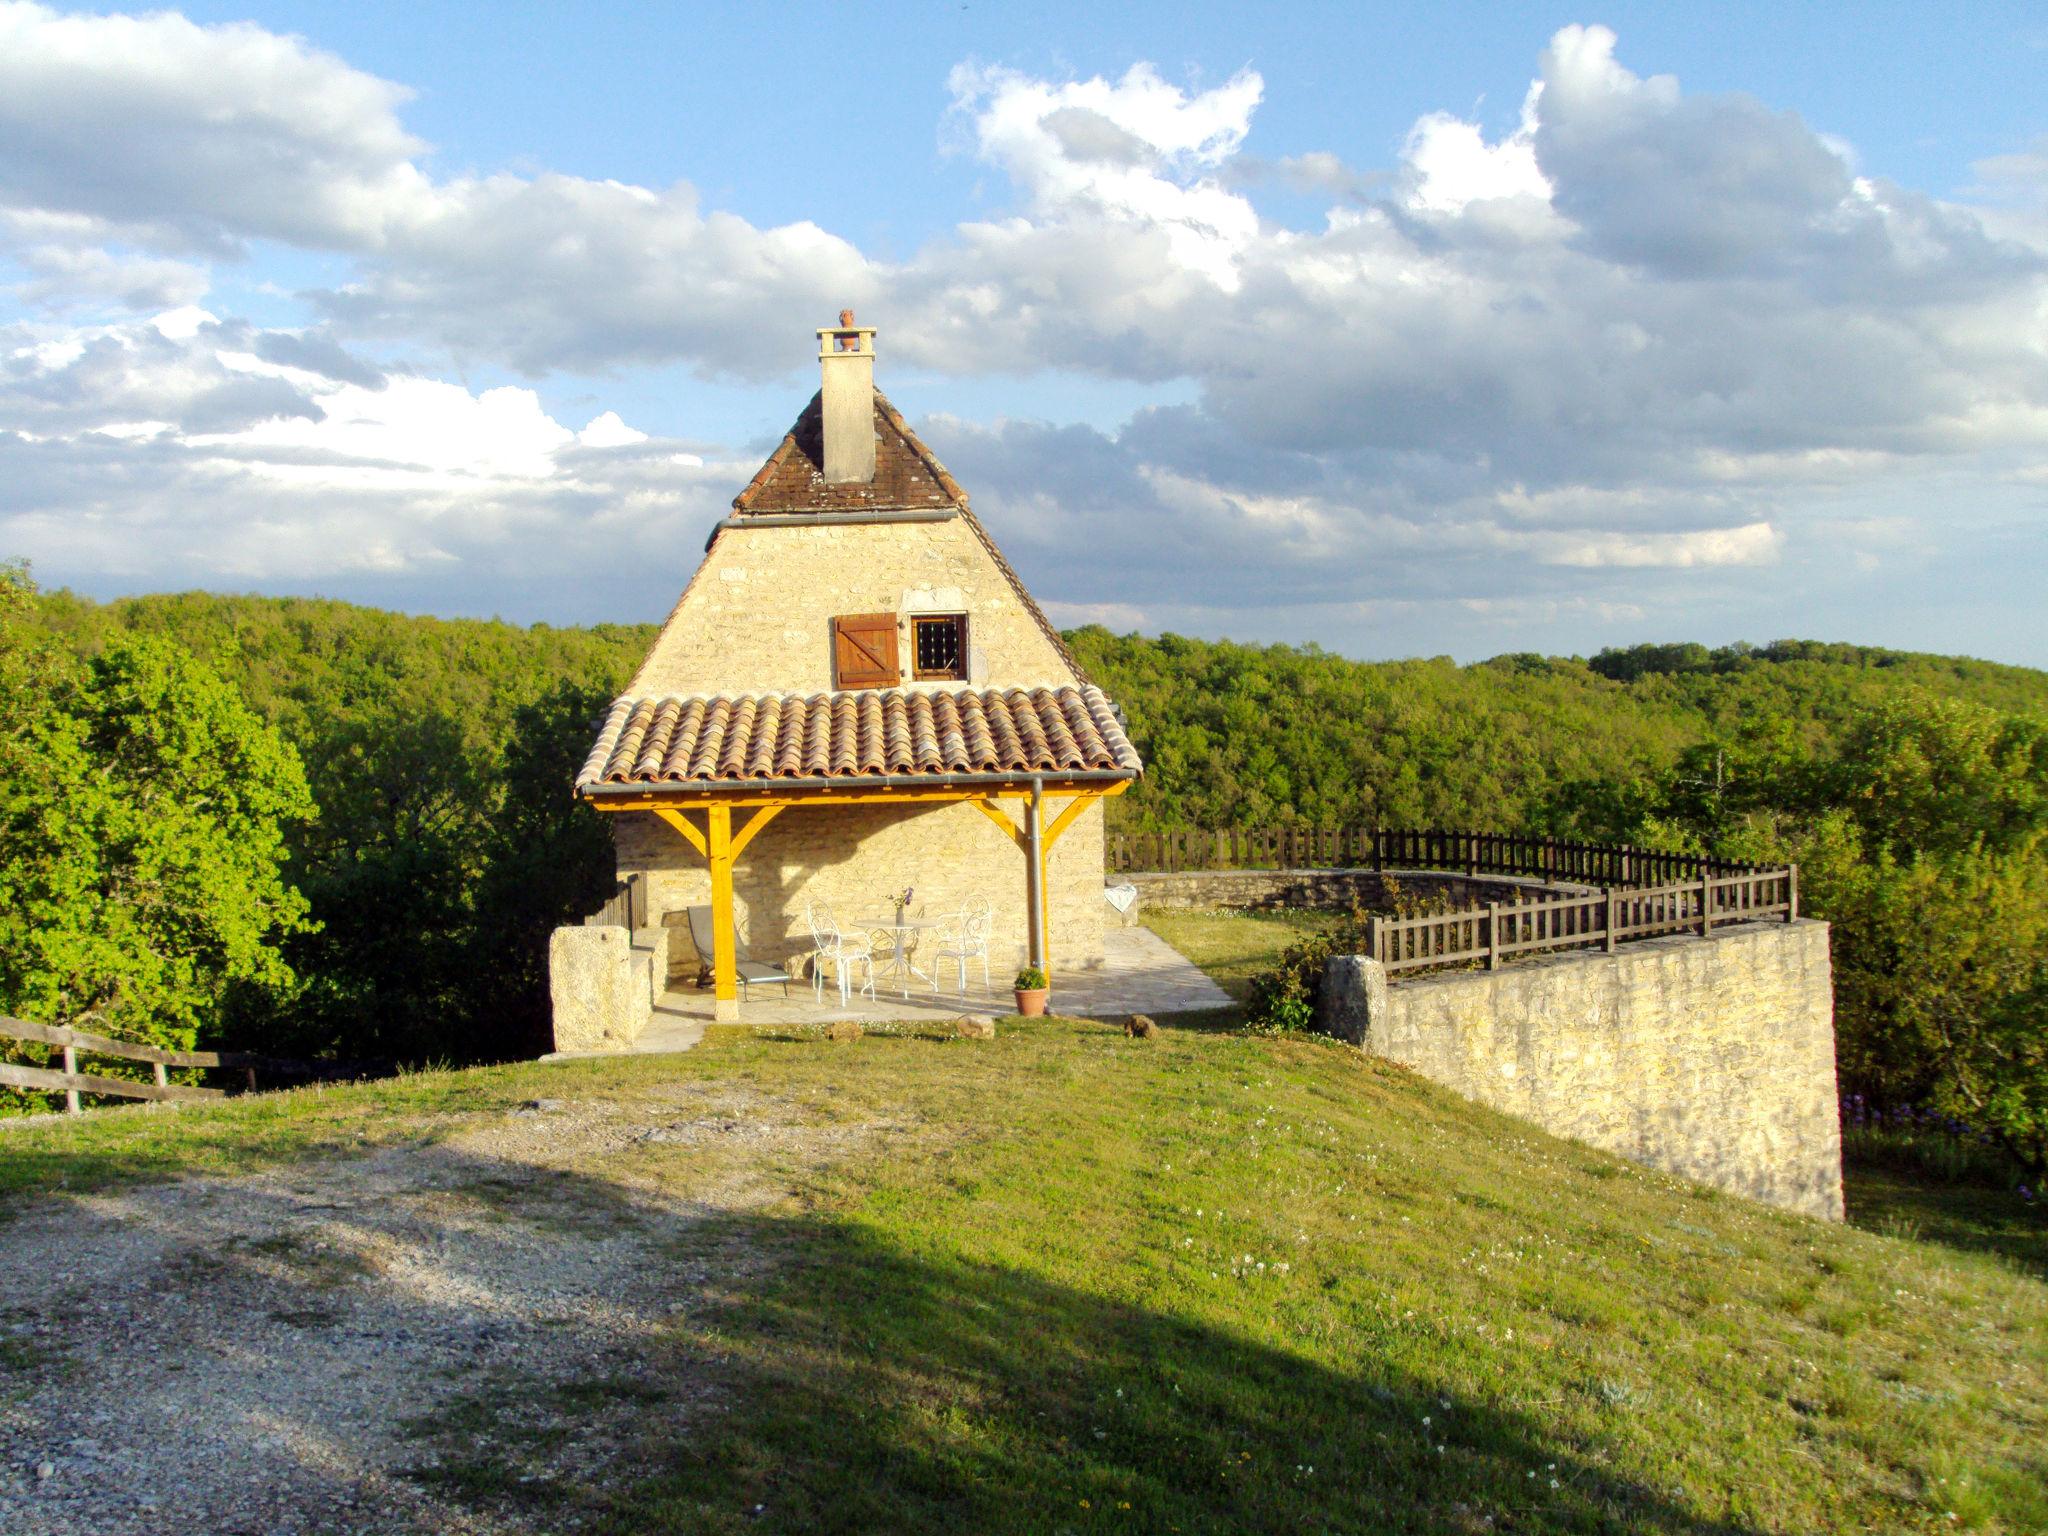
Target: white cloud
{"x":1136,"y":150}
{"x":1450,"y":165}
{"x":1644,"y":337}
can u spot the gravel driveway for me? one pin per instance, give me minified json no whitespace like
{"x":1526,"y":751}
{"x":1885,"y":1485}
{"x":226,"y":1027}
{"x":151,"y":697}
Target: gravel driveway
{"x":450,"y":1336}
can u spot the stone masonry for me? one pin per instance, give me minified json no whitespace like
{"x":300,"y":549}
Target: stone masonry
{"x":1712,"y":1058}
{"x":760,"y":608}
{"x":1321,"y":890}
{"x":604,"y":983}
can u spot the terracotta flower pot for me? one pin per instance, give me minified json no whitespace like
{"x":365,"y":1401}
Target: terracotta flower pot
{"x":1031,"y":1004}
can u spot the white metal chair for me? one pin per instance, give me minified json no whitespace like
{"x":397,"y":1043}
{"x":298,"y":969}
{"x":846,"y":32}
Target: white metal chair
{"x":964,"y":939}
{"x":751,"y":971}
{"x":843,"y":950}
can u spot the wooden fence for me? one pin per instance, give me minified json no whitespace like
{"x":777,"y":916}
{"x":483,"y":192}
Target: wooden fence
{"x":626,"y":907}
{"x":76,"y":1042}
{"x":1499,"y":931}
{"x":1468,"y":853}
{"x":1643,"y":893}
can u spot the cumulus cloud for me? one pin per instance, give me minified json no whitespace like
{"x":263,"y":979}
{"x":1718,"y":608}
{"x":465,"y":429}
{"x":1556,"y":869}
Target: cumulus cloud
{"x":1644,"y":341}
{"x":178,"y":450}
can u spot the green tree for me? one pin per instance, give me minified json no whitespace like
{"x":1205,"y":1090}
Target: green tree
{"x":142,"y":820}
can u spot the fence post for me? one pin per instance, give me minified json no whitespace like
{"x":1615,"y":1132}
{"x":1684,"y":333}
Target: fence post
{"x":1493,"y":935}
{"x":1612,"y":921}
{"x":1379,"y":860}
{"x":1372,"y":938}
{"x":1792,"y":894}
{"x":1471,"y":854}
{"x":1707,"y":902}
{"x":70,"y":1070}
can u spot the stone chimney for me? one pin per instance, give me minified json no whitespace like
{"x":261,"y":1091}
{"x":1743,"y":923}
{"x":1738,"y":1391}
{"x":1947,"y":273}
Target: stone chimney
{"x":846,"y":357}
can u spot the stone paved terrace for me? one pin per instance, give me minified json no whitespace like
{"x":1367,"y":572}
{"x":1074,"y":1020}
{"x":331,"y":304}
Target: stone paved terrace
{"x":1140,"y":973}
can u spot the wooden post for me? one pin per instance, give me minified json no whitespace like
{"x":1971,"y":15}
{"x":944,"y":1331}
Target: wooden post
{"x":163,"y":1077}
{"x":1034,"y":876}
{"x":725,"y":982}
{"x":1612,"y":922}
{"x":71,"y":1070}
{"x":1493,"y":935}
{"x":1707,"y":902}
{"x":1792,"y":894}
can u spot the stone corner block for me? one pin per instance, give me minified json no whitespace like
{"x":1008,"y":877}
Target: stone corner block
{"x":1353,"y":998}
{"x":598,"y":983}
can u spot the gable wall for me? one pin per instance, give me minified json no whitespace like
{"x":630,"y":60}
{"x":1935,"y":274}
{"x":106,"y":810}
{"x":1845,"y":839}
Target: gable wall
{"x":758,"y":614}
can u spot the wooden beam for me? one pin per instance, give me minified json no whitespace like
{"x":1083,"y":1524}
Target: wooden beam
{"x":1065,"y":819}
{"x":724,"y":963}
{"x":684,"y":825}
{"x":755,"y":823}
{"x":1015,"y":832}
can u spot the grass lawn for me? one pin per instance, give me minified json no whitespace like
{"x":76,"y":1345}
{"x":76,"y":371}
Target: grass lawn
{"x":1232,"y":946}
{"x":1210,"y":1283}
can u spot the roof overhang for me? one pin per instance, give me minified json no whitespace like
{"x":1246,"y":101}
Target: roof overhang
{"x":869,"y":789}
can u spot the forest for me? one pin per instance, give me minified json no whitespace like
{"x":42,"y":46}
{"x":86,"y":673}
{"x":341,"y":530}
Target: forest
{"x":310,"y":828}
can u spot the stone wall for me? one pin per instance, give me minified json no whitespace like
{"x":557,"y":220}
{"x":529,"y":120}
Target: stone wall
{"x":604,"y":983}
{"x":854,"y":858}
{"x":1334,"y":890}
{"x":757,"y":616}
{"x":1711,"y":1058}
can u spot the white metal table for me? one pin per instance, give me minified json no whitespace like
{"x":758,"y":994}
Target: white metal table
{"x":900,"y":967}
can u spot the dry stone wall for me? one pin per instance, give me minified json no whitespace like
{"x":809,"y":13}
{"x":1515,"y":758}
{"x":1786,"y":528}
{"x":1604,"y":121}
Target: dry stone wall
{"x":1713,"y":1058}
{"x":1331,"y":890}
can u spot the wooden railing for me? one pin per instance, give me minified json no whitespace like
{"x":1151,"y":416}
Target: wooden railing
{"x":76,"y":1042}
{"x":1499,"y":931}
{"x":1469,"y":853}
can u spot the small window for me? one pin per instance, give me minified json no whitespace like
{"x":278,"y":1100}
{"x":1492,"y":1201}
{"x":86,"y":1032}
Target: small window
{"x":938,"y":645}
{"x":864,"y":651}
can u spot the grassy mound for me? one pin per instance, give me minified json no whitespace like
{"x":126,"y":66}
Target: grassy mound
{"x":1212,"y":1283}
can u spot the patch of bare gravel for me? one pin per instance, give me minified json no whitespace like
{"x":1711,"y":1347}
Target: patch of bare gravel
{"x":305,"y":1350}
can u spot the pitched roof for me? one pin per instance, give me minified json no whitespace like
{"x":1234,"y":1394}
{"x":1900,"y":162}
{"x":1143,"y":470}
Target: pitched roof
{"x":907,"y":476}
{"x":852,"y":736}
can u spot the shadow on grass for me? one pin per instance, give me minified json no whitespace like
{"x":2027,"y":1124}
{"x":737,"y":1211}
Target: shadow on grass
{"x":756,"y":1371}
{"x":870,"y":1388}
{"x":1973,"y":1217}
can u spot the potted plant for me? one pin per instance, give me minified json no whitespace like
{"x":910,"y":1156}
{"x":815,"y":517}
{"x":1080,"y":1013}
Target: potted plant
{"x":1031,"y":989}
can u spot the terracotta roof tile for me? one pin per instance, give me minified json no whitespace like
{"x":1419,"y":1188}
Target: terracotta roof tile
{"x":907,"y":477}
{"x":858,"y":735}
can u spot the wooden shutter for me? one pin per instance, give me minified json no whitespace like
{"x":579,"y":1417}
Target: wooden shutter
{"x":864,"y":651}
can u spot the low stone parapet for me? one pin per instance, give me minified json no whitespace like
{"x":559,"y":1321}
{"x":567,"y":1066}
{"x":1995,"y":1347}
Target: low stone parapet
{"x":604,"y":983}
{"x":1713,"y":1058}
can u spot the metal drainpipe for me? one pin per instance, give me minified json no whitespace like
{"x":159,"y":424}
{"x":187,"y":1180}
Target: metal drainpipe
{"x":1035,"y":876}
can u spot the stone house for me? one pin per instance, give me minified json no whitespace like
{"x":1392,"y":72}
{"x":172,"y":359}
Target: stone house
{"x":854,"y":697}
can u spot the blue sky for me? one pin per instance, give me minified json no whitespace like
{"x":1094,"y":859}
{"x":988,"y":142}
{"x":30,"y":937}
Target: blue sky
{"x":1310,"y":325}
